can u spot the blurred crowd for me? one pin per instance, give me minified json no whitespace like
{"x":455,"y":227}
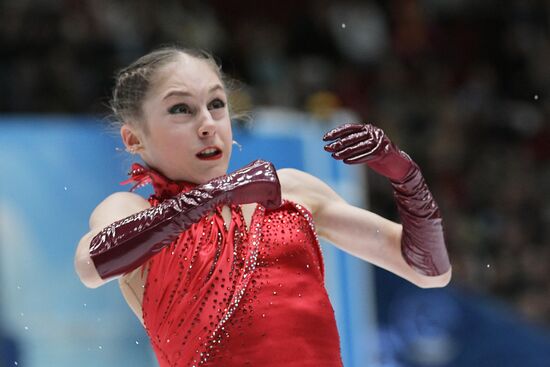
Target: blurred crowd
{"x":458,"y":84}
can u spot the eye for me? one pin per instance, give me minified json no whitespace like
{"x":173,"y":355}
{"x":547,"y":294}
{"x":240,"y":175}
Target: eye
{"x":215,"y":104}
{"x":179,"y":108}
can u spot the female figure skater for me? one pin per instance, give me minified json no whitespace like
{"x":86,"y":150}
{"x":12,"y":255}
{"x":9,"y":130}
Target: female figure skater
{"x":225,"y":269}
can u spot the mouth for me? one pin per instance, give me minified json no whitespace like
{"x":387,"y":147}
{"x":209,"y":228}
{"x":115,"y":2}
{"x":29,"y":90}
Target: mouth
{"x":209,"y":153}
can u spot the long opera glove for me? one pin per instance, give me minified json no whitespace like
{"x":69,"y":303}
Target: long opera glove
{"x":422,"y":241}
{"x":128,"y":243}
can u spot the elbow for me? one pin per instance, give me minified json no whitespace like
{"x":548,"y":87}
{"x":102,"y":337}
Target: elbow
{"x":90,"y":283}
{"x":438,"y":281}
{"x":87,"y":273}
{"x":84,"y":266}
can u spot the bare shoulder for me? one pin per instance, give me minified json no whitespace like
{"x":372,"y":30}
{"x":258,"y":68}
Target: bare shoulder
{"x":116,"y":206}
{"x":289,"y":178}
{"x":123,"y":198}
{"x":294,"y":181}
{"x":305,"y":188}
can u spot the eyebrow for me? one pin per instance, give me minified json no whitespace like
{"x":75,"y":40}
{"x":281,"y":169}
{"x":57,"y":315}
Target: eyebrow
{"x":184,"y":93}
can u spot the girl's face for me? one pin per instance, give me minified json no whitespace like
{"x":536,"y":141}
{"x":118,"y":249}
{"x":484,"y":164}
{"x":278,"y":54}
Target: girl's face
{"x":187,"y":120}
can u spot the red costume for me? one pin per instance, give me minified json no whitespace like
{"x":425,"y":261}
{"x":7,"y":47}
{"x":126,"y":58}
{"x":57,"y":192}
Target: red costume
{"x":225,"y":295}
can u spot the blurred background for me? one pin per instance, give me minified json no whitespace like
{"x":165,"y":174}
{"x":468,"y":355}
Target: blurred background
{"x":460,"y":85}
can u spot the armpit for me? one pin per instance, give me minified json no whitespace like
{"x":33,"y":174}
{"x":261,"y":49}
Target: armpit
{"x":132,"y":286}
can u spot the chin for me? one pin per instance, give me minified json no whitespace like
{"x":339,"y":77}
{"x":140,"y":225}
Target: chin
{"x":217,"y":173}
{"x":211,"y":174}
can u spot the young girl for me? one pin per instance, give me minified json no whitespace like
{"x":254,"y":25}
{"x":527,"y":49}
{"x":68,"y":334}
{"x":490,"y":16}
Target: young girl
{"x":225,"y":269}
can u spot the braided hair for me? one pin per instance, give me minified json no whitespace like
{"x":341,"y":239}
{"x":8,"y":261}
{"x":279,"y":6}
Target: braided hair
{"x":134,"y":81}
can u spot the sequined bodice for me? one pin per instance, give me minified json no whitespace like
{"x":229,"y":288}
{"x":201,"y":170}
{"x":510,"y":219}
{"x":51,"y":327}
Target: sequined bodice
{"x":227,"y":295}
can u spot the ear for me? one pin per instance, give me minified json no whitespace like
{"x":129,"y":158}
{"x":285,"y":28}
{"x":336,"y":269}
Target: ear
{"x":131,"y":138}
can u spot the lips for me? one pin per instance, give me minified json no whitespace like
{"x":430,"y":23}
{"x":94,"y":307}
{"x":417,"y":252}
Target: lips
{"x":210,"y":153}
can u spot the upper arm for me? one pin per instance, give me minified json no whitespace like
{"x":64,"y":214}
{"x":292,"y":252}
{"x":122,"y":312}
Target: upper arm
{"x":115,"y":207}
{"x":333,"y":215}
{"x":357,"y":231}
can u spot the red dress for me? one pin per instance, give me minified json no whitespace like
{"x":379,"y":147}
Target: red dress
{"x":225,"y":295}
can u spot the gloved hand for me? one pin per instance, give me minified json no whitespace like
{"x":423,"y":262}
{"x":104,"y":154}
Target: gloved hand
{"x":256,"y":182}
{"x":129,"y":242}
{"x":422,"y":240}
{"x":359,"y":143}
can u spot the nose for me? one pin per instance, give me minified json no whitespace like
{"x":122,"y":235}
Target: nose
{"x":207,"y":125}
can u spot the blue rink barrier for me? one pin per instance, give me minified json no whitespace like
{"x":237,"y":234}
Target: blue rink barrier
{"x":451,"y":327}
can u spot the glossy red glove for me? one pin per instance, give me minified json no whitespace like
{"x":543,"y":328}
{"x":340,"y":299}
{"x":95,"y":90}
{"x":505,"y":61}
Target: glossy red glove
{"x":422,"y":241}
{"x":358,"y":143}
{"x":127,"y":243}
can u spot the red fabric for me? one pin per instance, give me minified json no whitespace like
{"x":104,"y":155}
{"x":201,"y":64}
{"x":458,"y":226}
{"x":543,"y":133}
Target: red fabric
{"x":231,"y":296}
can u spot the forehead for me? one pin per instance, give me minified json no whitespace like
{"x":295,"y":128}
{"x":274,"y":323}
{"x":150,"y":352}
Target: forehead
{"x":184,"y":73}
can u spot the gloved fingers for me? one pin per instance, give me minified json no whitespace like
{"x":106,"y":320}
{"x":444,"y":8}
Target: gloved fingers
{"x":363,"y":149}
{"x":342,"y":130}
{"x":348,"y":141}
{"x":360,"y":158}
